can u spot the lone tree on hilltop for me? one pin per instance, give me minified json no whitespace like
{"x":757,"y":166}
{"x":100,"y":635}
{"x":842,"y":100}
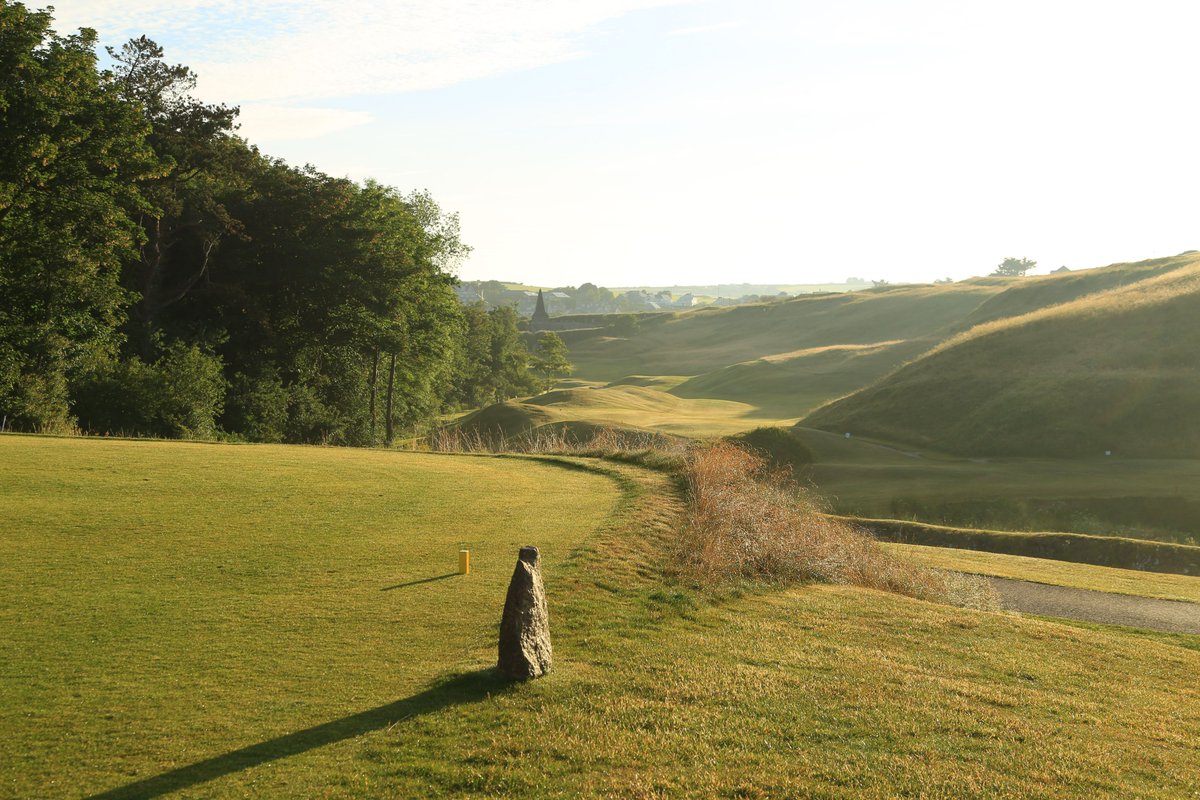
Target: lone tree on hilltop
{"x":1014,"y":267}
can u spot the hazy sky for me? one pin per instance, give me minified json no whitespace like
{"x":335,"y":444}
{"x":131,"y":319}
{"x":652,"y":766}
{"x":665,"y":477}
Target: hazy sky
{"x":635,"y":142}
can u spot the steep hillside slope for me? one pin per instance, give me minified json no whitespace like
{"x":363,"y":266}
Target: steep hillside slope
{"x":1025,"y":295}
{"x":1114,"y":371}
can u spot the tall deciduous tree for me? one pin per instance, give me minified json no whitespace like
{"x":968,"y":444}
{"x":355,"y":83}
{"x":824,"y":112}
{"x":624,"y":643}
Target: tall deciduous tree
{"x":281,"y":303}
{"x":188,"y":218}
{"x":71,"y":157}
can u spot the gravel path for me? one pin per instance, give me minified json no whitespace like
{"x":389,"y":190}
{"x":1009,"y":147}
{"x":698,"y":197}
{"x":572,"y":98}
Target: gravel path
{"x":1173,"y":616}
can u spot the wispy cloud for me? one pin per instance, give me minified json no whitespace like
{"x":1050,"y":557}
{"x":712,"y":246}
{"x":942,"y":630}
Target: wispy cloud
{"x":286,"y":51}
{"x":713,"y":28}
{"x":275,"y":58}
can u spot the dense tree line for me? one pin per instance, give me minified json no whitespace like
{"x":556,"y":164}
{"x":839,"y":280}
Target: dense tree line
{"x":161,"y":276}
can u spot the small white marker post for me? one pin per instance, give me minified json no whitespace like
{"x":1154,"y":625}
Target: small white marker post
{"x":464,"y":562}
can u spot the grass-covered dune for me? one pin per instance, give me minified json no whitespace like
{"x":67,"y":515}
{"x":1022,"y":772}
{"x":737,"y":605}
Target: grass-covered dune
{"x":699,"y":342}
{"x":785,"y":359}
{"x":1025,"y":295}
{"x":720,"y":371}
{"x":258,"y":621}
{"x":1115,"y":371}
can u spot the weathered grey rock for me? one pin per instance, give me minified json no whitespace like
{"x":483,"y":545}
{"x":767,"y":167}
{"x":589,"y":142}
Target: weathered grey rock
{"x":525,"y":650}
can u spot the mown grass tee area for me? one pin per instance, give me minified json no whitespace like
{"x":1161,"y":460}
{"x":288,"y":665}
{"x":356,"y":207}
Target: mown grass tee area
{"x":261,"y":621}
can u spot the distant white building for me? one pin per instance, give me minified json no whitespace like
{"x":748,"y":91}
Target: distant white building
{"x":686,"y":301}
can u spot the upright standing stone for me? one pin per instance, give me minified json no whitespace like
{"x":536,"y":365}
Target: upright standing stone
{"x":525,"y":650}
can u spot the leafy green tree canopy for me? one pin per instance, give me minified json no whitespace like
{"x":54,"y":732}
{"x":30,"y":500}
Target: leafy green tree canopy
{"x":188,"y":218}
{"x":1014,"y":267}
{"x":161,"y":276}
{"x":549,"y":360}
{"x":72,"y":154}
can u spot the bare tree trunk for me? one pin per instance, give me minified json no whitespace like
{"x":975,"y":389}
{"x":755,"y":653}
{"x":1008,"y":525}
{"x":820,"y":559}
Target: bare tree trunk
{"x":374,"y":379}
{"x":387,"y":422}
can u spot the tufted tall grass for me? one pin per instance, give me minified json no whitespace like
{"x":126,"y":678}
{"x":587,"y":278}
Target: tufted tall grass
{"x":749,"y":522}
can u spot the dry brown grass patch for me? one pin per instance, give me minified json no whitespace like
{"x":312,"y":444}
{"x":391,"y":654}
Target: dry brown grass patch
{"x":562,"y":440}
{"x":748,"y":522}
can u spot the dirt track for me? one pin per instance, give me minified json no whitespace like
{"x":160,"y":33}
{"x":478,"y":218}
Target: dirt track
{"x":1173,"y":616}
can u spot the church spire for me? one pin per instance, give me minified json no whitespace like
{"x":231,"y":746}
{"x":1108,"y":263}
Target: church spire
{"x":540,"y":317}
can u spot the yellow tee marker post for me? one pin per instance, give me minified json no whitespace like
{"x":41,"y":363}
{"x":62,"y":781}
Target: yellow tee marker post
{"x":464,"y":562}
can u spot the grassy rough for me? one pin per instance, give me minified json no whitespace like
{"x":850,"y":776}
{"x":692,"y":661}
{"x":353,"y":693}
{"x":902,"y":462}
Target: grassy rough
{"x":658,"y":691}
{"x":749,"y":522}
{"x":1104,"y":551}
{"x":1133,"y":498}
{"x":1055,"y":573}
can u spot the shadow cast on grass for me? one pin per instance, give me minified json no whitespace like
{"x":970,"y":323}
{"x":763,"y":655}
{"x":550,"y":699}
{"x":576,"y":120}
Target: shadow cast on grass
{"x":418,"y":582}
{"x":470,"y":687}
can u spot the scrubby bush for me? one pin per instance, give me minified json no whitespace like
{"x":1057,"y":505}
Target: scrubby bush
{"x":625,"y":324}
{"x":748,"y":522}
{"x":257,"y":407}
{"x":35,"y":401}
{"x":116,"y":398}
{"x":327,"y":397}
{"x":190,"y":392}
{"x":179,"y":395}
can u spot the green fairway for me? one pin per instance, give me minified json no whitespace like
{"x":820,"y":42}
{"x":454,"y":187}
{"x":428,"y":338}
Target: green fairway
{"x":1055,"y":573}
{"x":624,"y":406}
{"x":793,"y":384}
{"x":164,"y":603}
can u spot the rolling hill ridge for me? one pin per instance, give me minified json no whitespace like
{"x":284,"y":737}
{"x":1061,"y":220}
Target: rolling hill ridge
{"x":1115,"y":371}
